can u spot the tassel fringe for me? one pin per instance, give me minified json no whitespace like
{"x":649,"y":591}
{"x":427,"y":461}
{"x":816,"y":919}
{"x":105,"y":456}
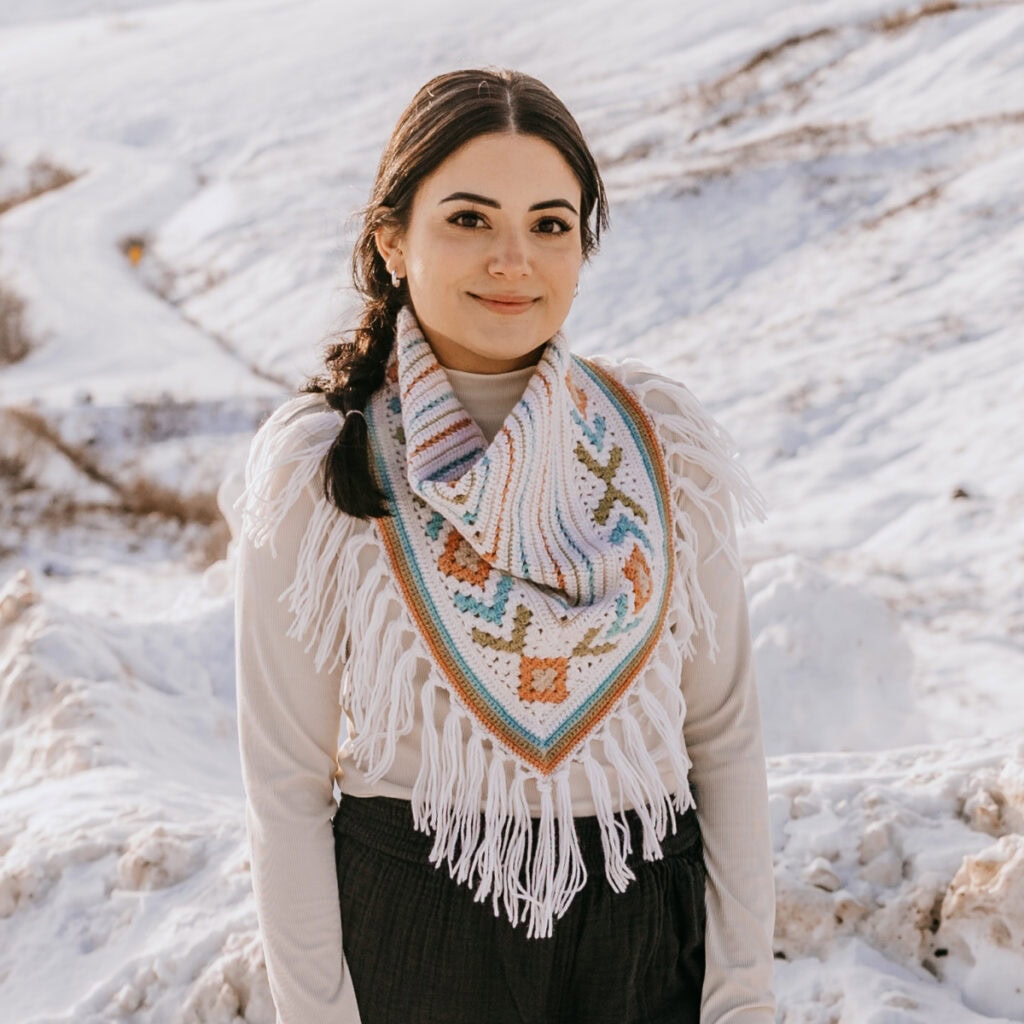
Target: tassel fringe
{"x":707,"y":480}
{"x":348,"y":610}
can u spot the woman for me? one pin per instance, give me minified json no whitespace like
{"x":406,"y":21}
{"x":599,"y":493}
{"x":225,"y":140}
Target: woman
{"x":515,"y":572}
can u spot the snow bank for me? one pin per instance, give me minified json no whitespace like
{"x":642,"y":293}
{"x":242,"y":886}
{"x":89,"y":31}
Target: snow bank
{"x":122,"y":852}
{"x":122,"y":841}
{"x":916,"y":854}
{"x":834,"y":669}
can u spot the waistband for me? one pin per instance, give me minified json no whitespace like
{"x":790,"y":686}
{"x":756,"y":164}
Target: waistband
{"x":385,"y":824}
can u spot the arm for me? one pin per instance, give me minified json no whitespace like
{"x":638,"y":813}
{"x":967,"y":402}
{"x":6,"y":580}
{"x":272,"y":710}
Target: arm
{"x":723,"y":738}
{"x":722,"y":727}
{"x":288,"y":722}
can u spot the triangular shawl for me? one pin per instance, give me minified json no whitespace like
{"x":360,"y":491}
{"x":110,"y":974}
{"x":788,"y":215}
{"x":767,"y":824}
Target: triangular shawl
{"x":546,"y":581}
{"x":538,"y":568}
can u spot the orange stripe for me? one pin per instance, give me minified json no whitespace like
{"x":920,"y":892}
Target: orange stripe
{"x":543,"y":535}
{"x":447,"y":432}
{"x":420,"y":376}
{"x":545,"y":765}
{"x":493,"y":553}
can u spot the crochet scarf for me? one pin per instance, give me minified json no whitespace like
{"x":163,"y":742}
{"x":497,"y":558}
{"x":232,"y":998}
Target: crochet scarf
{"x":538,"y":568}
{"x":546,"y":581}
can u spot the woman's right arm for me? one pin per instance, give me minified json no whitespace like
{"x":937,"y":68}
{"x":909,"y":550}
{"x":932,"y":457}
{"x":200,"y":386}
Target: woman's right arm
{"x":288,"y":722}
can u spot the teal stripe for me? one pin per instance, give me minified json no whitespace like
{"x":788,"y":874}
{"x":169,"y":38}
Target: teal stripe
{"x":540,"y":744}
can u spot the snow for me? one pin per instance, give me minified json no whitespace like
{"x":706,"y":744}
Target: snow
{"x":816,"y":222}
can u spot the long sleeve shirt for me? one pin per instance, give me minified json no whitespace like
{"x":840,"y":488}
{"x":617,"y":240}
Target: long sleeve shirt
{"x":290,"y":721}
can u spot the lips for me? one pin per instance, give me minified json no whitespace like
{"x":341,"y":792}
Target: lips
{"x":508,"y":304}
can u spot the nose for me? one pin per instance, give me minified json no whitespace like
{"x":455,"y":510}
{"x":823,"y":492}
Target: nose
{"x":510,"y":256}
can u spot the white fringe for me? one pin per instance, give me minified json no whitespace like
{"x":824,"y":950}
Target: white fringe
{"x":289,"y":442}
{"x":691,"y":440}
{"x":348,"y":609}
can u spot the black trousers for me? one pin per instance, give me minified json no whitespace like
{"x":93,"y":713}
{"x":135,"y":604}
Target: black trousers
{"x":421,"y":951}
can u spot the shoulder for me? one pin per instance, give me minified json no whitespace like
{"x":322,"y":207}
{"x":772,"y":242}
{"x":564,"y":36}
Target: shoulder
{"x":300,"y":418}
{"x":284,"y":462}
{"x":661,"y":396}
{"x":686,"y":430}
{"x":701,"y":456}
{"x":297,"y":430}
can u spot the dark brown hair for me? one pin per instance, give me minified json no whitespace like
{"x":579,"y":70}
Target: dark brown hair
{"x":444,"y":115}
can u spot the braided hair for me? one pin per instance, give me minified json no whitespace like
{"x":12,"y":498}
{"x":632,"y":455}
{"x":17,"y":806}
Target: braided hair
{"x":449,"y":111}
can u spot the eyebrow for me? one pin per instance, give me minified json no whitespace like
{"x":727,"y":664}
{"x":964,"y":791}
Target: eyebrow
{"x":472,"y":197}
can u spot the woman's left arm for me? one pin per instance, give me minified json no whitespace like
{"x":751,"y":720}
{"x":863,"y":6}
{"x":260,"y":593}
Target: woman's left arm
{"x":722,"y":731}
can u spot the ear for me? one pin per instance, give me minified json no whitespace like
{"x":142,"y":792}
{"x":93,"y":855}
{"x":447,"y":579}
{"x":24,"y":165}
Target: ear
{"x":389,"y":245}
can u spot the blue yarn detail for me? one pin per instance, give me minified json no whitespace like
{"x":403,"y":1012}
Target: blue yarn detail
{"x":594,"y":434}
{"x":626,"y":525}
{"x":492,"y":613}
{"x":620,"y":625}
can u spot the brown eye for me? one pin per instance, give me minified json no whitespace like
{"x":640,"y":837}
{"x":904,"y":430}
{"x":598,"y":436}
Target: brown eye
{"x":466,"y":219}
{"x":553,"y":226}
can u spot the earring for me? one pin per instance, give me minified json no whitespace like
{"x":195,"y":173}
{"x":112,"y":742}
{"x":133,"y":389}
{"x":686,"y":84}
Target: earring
{"x":395,"y":279}
{"x":576,"y":290}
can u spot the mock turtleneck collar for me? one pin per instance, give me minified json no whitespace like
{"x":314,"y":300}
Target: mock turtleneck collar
{"x":489,"y":397}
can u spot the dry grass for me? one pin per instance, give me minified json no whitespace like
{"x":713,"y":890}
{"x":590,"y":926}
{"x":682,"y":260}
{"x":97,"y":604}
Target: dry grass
{"x":769,"y":53}
{"x":15,"y":343}
{"x":17,"y":453}
{"x":147,"y":498}
{"x":14,"y":473}
{"x":213,"y":545}
{"x":923,"y":199}
{"x":145,"y":506}
{"x":34,"y":426}
{"x":43,"y":176}
{"x":901,"y":19}
{"x":139,"y":497}
{"x":893,"y":22}
{"x":27,"y":434}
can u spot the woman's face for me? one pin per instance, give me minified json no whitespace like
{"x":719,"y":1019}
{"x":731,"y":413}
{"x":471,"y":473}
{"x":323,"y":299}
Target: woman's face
{"x":492,"y":252}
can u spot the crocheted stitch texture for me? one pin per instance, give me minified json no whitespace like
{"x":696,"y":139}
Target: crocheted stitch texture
{"x":547,"y":584}
{"x":538,"y":567}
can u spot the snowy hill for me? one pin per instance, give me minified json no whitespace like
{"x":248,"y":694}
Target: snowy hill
{"x":817,"y":222}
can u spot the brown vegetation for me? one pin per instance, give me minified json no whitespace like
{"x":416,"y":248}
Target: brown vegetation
{"x":213,"y":545}
{"x":901,"y":19}
{"x":771,"y":52}
{"x":43,"y":176}
{"x":14,"y":472}
{"x":146,"y":497}
{"x":145,"y":506}
{"x":34,"y":426}
{"x":14,"y":339}
{"x":15,"y":344}
{"x":139,"y":497}
{"x":925,"y":198}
